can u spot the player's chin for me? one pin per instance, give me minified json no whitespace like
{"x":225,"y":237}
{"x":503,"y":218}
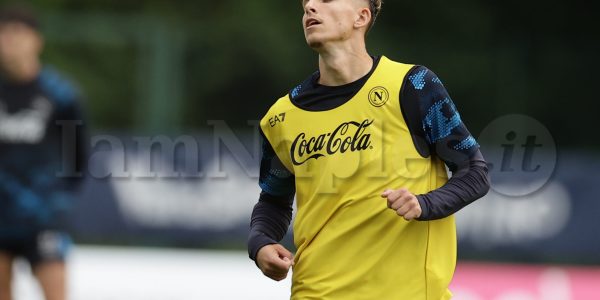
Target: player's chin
{"x":313,"y":41}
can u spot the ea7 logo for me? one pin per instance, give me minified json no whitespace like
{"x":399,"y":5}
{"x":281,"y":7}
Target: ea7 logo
{"x":277,"y":119}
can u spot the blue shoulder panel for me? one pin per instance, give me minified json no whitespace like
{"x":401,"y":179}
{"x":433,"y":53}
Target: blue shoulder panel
{"x":57,"y":87}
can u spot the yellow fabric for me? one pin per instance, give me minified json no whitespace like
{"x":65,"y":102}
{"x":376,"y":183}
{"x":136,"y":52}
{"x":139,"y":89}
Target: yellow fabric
{"x":349,"y":244}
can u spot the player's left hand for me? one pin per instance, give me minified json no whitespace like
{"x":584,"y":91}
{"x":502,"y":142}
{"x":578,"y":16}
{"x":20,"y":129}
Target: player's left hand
{"x":403,"y":202}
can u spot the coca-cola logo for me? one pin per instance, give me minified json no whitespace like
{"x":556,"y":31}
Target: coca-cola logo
{"x":348,"y":136}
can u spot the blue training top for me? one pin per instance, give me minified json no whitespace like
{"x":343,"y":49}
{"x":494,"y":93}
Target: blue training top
{"x":32,"y":145}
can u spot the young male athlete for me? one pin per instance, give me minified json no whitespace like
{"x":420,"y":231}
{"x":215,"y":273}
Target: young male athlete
{"x":36,"y":145}
{"x":362,"y":145}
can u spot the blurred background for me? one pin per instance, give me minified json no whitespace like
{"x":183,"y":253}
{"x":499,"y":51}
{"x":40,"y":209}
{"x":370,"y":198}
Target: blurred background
{"x":173,"y":91}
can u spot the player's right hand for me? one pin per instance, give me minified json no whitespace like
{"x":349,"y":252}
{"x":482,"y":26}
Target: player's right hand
{"x":274,"y":261}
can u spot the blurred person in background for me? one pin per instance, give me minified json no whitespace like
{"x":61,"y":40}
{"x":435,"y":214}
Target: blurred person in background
{"x":40,"y":139}
{"x":360,"y":129}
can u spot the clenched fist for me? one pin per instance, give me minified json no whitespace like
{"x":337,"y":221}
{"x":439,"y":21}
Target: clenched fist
{"x":403,"y":202}
{"x":274,"y":261}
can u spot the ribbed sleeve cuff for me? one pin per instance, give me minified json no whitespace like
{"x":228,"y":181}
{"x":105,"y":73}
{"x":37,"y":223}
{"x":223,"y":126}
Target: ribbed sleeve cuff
{"x":257,"y":240}
{"x":425,"y":211}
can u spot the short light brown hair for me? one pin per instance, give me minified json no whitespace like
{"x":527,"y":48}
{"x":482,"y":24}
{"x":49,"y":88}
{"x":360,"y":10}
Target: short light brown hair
{"x":375,"y":8}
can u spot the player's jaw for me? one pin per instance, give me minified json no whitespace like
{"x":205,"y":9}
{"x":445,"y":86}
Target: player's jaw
{"x":314,"y":29}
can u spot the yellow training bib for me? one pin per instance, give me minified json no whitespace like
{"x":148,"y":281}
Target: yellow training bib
{"x":350,"y":245}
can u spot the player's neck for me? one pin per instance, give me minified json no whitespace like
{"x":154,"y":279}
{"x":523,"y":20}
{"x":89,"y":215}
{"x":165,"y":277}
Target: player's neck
{"x":22,"y":72}
{"x":341,"y":66}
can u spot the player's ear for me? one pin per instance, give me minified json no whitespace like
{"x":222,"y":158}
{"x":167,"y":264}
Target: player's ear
{"x":363,"y":18}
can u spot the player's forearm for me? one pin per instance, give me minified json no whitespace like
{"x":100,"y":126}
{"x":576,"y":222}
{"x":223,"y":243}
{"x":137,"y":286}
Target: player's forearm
{"x":271,"y":218}
{"x":468,"y":185}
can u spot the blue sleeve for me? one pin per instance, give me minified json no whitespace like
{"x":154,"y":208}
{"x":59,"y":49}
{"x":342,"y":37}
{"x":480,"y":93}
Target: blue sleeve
{"x":437,"y":129}
{"x":434,"y":120}
{"x":68,"y":100}
{"x":275,"y":178}
{"x":272,"y":215}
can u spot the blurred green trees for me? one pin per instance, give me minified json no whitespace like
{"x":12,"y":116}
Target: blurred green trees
{"x":172,"y":65}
